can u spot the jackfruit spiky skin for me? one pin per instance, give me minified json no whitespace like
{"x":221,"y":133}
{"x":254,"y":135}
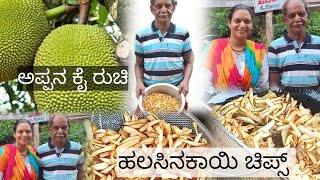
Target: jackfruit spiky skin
{"x":23,"y":27}
{"x":78,"y":45}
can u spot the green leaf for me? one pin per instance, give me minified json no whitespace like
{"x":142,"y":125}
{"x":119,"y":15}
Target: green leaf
{"x":93,"y":8}
{"x":103,"y":15}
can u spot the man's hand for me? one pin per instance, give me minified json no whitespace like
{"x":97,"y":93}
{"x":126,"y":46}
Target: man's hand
{"x":81,"y":174}
{"x":138,"y":69}
{"x":184,"y":85}
{"x":140,"y":90}
{"x":184,"y":88}
{"x":274,"y":80}
{"x":274,"y":87}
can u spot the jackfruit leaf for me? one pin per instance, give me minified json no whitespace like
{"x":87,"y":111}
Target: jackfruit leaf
{"x":98,"y":13}
{"x":93,"y":8}
{"x":103,"y":15}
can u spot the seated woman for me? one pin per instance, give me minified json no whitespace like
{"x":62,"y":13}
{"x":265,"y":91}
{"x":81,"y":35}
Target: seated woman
{"x":18,"y":160}
{"x":236,"y":62}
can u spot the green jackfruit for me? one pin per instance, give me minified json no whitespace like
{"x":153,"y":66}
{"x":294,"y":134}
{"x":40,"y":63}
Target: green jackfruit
{"x":23,"y":27}
{"x":78,"y":45}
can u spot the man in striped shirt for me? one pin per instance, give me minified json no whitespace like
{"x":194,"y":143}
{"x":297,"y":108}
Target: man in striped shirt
{"x":60,"y":158}
{"x":294,"y":60}
{"x":163,"y":50}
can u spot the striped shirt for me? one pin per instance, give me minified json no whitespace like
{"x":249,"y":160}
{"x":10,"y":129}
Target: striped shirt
{"x":163,"y":54}
{"x":56,"y":164}
{"x":298,"y":66}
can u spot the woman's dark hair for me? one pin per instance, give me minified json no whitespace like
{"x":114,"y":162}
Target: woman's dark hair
{"x":239,"y":7}
{"x":20,"y":122}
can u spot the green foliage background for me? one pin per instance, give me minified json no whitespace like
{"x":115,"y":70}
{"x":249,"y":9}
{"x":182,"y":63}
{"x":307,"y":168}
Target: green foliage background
{"x":6,"y":135}
{"x":76,"y":132}
{"x":216,"y":25}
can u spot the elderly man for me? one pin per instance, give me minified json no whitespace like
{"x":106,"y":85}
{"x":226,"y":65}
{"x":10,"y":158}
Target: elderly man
{"x":295,"y":58}
{"x":163,"y":50}
{"x":60,"y":158}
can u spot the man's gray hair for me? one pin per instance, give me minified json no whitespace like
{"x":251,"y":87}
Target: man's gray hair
{"x":305,"y":3}
{"x":50,"y":122}
{"x":174,"y":2}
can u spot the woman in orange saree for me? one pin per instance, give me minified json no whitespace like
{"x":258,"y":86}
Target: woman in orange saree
{"x":237,"y":62}
{"x":18,"y":160}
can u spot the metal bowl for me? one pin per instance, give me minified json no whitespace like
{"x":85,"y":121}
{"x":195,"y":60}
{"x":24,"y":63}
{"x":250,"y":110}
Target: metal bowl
{"x":163,"y":88}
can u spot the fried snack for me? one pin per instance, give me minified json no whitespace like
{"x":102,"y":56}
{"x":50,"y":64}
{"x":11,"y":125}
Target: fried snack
{"x":161,"y":102}
{"x":272,"y":121}
{"x":149,"y":132}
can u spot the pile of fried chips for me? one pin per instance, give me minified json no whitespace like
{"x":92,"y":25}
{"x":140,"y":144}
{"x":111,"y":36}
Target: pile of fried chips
{"x":161,"y":102}
{"x":149,"y":132}
{"x":272,"y":121}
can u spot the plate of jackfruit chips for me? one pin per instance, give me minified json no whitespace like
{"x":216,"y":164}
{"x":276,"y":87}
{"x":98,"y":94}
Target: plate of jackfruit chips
{"x":162,"y":98}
